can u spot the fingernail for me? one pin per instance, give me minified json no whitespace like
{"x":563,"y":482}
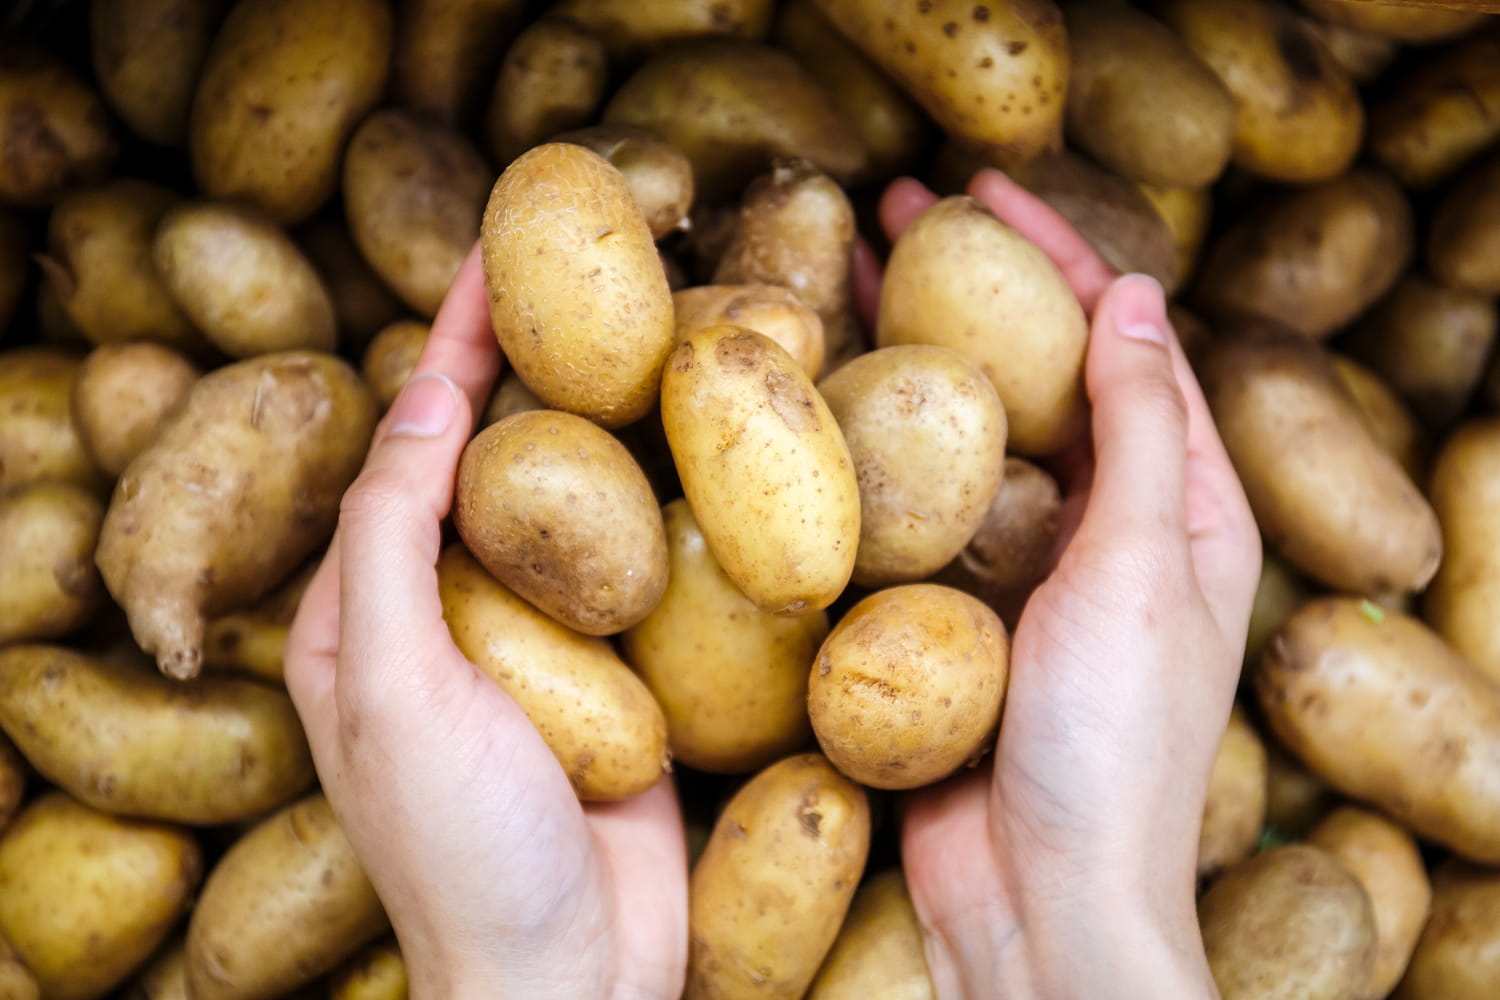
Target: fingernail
{"x":425,"y":407}
{"x":1140,"y":306}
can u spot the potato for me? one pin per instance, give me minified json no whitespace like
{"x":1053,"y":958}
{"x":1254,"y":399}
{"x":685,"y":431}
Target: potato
{"x":1280,"y":591}
{"x":1362,"y":54}
{"x":771,"y":310}
{"x":1439,"y":113}
{"x":88,"y":896}
{"x":362,"y":304}
{"x":447,"y":52}
{"x":629,"y":29}
{"x":958,"y":270}
{"x":879,"y":951}
{"x":1384,"y":858}
{"x":1235,"y":810}
{"x":48,"y":583}
{"x":1296,"y":799}
{"x":927,"y":433}
{"x":1193,"y":334}
{"x":15,"y":264}
{"x":510,"y":396}
{"x":1403,"y":22}
{"x":1466,"y":493}
{"x":37,"y":438}
{"x":284,"y":434}
{"x":12,"y":786}
{"x":54,"y":130}
{"x":242,"y":280}
{"x":1186,"y":211}
{"x":99,"y":262}
{"x":1456,"y":957}
{"x":164,"y":977}
{"x":120,"y":395}
{"x":1298,"y":118}
{"x":16,"y":981}
{"x":732,"y":107}
{"x":392,"y":357}
{"x":907,"y":688}
{"x":1382,"y":709}
{"x":1465,"y":236}
{"x":594,"y":714}
{"x":1313,"y":259}
{"x":376,"y":973}
{"x":253,"y":641}
{"x":731,"y":679}
{"x":766,"y":899}
{"x":414,"y":192}
{"x":553,"y":78}
{"x":558,"y":511}
{"x":284,"y":85}
{"x":1385,"y":416}
{"x":1327,"y":497}
{"x":146,"y":55}
{"x":1288,"y":923}
{"x":287,"y":903}
{"x":659,"y":175}
{"x":578,"y":298}
{"x":765,"y":468}
{"x":133,"y":743}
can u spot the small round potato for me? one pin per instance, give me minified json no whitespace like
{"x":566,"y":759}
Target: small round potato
{"x":1464,"y":595}
{"x":1235,"y":810}
{"x":37,"y":437}
{"x":54,"y":130}
{"x":392,"y":356}
{"x":361,"y":302}
{"x":879,"y":951}
{"x":1458,"y":954}
{"x":772,"y":310}
{"x":1385,"y":415}
{"x":377,"y":973}
{"x":908,"y":686}
{"x":48,"y":583}
{"x":121,"y":394}
{"x":1463,"y":246}
{"x":660,"y":177}
{"x":147,"y":54}
{"x":554,"y":75}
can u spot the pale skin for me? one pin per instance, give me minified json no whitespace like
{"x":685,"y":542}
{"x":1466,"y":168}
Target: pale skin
{"x":1064,"y":869}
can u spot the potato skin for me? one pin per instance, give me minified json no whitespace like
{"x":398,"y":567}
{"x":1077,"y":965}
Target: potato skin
{"x":1186,"y":212}
{"x":48,"y":583}
{"x":765,"y":468}
{"x":1465,"y":490}
{"x":1385,"y":415}
{"x":287,"y":902}
{"x":392,"y":357}
{"x":1364,"y":55}
{"x":659,"y":175}
{"x":376,"y":973}
{"x":510,"y":396}
{"x":1235,"y":810}
{"x":146,"y":55}
{"x":1378,"y":705}
{"x":1296,"y":799}
{"x":629,"y":28}
{"x":292,"y":424}
{"x":1406,"y":23}
{"x":87,"y":896}
{"x":284,"y":84}
{"x":37,"y":438}
{"x":772,"y":310}
{"x":252,"y":642}
{"x":16,"y":981}
{"x":879,"y":951}
{"x":54,"y":129}
{"x":608,"y":734}
{"x":766,"y":899}
{"x":958,"y":270}
{"x":362,"y":303}
{"x":1456,"y":957}
{"x":586,"y":323}
{"x":552,"y":79}
{"x":1288,"y":923}
{"x":120,"y":396}
{"x":446,"y":52}
{"x":1464,"y":242}
{"x":1280,"y":591}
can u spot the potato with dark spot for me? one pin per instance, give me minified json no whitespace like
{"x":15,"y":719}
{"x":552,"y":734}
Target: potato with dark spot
{"x":553,"y":78}
{"x":1465,"y":490}
{"x":88,"y":896}
{"x":392,"y":357}
{"x":362,"y":303}
{"x":766,"y":899}
{"x":879,"y":951}
{"x":659,"y":175}
{"x":1235,"y":811}
{"x":120,"y":396}
{"x":147,"y":55}
{"x":53,"y":129}
{"x":1458,"y":954}
{"x":376,"y":973}
{"x":1385,"y":415}
{"x":1464,"y":242}
{"x":1403,"y":22}
{"x":446,"y":54}
{"x":38,"y":440}
{"x":630,"y":28}
{"x":48,"y":584}
{"x":772,"y":310}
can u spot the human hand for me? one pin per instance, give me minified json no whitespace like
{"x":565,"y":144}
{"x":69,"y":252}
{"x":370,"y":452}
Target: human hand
{"x":497,"y":881}
{"x":1066,"y":867}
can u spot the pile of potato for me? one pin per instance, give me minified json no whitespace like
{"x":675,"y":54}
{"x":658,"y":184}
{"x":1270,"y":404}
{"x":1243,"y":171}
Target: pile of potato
{"x":741,"y":525}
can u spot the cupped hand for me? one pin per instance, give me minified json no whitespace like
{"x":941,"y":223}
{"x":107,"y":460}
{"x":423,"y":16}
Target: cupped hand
{"x":498,"y":882}
{"x":1066,"y":868}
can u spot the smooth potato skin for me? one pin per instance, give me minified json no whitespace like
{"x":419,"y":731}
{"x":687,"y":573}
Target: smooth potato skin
{"x":510,"y":396}
{"x":171,"y":552}
{"x":1456,"y":957}
{"x":147,"y":54}
{"x":1296,"y":799}
{"x":552,"y":79}
{"x":38,"y":440}
{"x":1464,"y":242}
{"x":377,"y":973}
{"x":284,"y":84}
{"x":766,"y":899}
{"x":1386,"y":415}
{"x":87,"y":896}
{"x":54,"y":129}
{"x":1235,"y":811}
{"x":120,"y":396}
{"x":1388,"y":714}
{"x":596,"y":716}
{"x":164,"y":977}
{"x":879,"y":951}
{"x":578,"y":298}
{"x":446,"y":52}
{"x":659,"y":175}
{"x":1465,"y":490}
{"x":765,"y":468}
{"x":286,"y":903}
{"x":392,"y":357}
{"x":772,"y":310}
{"x":48,"y":583}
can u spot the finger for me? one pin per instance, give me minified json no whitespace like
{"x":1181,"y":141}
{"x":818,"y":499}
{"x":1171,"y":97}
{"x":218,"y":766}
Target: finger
{"x":462,"y":344}
{"x":903,"y":201}
{"x":312,"y":650}
{"x":864,"y":277}
{"x":1086,"y":272}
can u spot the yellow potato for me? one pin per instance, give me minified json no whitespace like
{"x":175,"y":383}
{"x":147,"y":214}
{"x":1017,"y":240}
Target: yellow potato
{"x":768,"y":895}
{"x":447,"y":52}
{"x":1464,"y":242}
{"x":37,"y":438}
{"x":630,"y":28}
{"x":1378,"y":706}
{"x":15,"y":264}
{"x":510,"y":396}
{"x":927,"y":433}
{"x":765,"y":468}
{"x":1458,"y":955}
{"x":392,"y":357}
{"x":164,"y":977}
{"x":54,"y":129}
{"x":1296,"y":799}
{"x":1186,"y":211}
{"x":48,"y":584}
{"x":958,"y":270}
{"x":1235,"y":810}
{"x":1362,"y":54}
{"x":253,"y":642}
{"x":1466,"y":493}
{"x":16,"y":981}
{"x":578,"y":298}
{"x":87,"y":896}
{"x":120,"y":396}
{"x":879,"y":951}
{"x":772,"y":310}
{"x":1385,"y":860}
{"x":1404,"y":22}
{"x":284,"y":84}
{"x":594,"y":714}
{"x":146,"y":55}
{"x":376,"y":973}
{"x":659,"y":175}
{"x":553,"y":78}
{"x":287,"y":903}
{"x":12,"y":783}
{"x":1385,"y":415}
{"x":414,"y":192}
{"x":361,"y":302}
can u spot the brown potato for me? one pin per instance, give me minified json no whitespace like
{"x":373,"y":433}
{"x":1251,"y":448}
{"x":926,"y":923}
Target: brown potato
{"x":1186,"y":211}
{"x":1464,"y":241}
{"x":1404,"y":22}
{"x":1296,"y":799}
{"x":37,"y":438}
{"x":1192,"y":332}
{"x":87,"y":896}
{"x":1325,"y":494}
{"x":447,"y":52}
{"x":1235,"y":811}
{"x":362,"y":304}
{"x":578,"y":298}
{"x":1362,"y":54}
{"x":1466,"y":493}
{"x":12,"y":786}
{"x":287,"y":903}
{"x":16,"y":981}
{"x":285,"y":434}
{"x":1288,"y":923}
{"x":392,"y":357}
{"x":376,"y":973}
{"x":54,"y":130}
{"x":164,"y":977}
{"x":553,"y":78}
{"x":284,"y":85}
{"x":768,"y":895}
{"x":1385,"y":859}
{"x":414,"y":193}
{"x":510,"y":396}
{"x":48,"y":583}
{"x":659,"y":175}
{"x":120,"y":395}
{"x":927,"y":433}
{"x":1456,"y":957}
{"x":1385,"y":415}
{"x":253,"y":642}
{"x":879,"y":951}
{"x":772,"y":310}
{"x":15,"y":264}
{"x":146,"y":55}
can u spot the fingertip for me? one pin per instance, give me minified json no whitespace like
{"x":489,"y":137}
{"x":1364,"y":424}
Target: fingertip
{"x":903,"y":201}
{"x":1135,"y":306}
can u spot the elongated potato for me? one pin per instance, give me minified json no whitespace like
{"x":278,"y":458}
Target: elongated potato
{"x":957,"y":271}
{"x":53,"y":128}
{"x":1330,"y":500}
{"x":1385,"y":415}
{"x":38,"y":440}
{"x":765,"y":468}
{"x":447,"y":52}
{"x":48,"y":583}
{"x":362,"y":303}
{"x":629,"y":28}
{"x":1403,"y":22}
{"x":284,"y":434}
{"x":578,"y":298}
{"x":1466,"y":493}
{"x":772,"y":887}
{"x":147,"y":54}
{"x":1235,"y":811}
{"x":1458,"y":954}
{"x":659,"y":175}
{"x":772,"y":310}
{"x":392,"y":357}
{"x":376,"y":973}
{"x":879,"y":951}
{"x":284,"y":84}
{"x":553,"y":78}
{"x":120,"y":395}
{"x":287,"y":903}
{"x":87,"y":896}
{"x":1464,"y":241}
{"x":594,"y":714}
